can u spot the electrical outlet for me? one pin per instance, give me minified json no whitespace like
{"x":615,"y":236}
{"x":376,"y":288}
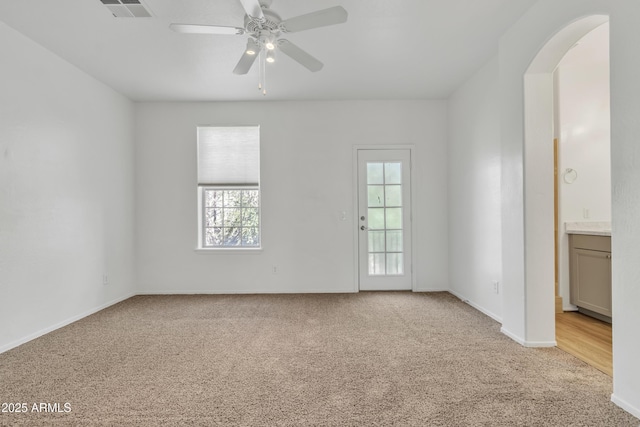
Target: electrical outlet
{"x":274,"y":269}
{"x":496,"y":287}
{"x":105,"y":279}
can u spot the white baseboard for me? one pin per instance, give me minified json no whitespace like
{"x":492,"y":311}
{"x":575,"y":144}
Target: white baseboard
{"x":626,"y":406}
{"x":59,"y":325}
{"x":245,"y":292}
{"x":525,"y":343}
{"x":540,"y":344}
{"x":263,"y":292}
{"x":476,"y":306}
{"x":513,"y":336}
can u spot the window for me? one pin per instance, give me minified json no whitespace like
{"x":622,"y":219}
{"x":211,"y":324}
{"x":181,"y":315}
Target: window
{"x":229,"y":187}
{"x":231,"y":217}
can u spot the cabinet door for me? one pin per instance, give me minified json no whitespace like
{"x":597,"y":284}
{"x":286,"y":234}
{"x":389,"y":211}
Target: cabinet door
{"x":591,"y":281}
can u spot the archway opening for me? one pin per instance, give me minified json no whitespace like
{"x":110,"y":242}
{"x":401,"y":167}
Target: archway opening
{"x":539,"y":220}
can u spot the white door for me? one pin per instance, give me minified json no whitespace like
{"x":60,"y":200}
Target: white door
{"x":384,"y":219}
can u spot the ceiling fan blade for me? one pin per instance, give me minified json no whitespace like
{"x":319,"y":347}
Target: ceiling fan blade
{"x":206,"y":29}
{"x":321,"y":18}
{"x":252,"y":8}
{"x":299,"y":55}
{"x":245,"y":63}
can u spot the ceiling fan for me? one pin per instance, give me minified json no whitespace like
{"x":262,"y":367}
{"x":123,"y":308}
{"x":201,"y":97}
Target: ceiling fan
{"x":264,"y":28}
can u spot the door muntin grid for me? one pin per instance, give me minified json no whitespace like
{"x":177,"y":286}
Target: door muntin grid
{"x":385,"y":246}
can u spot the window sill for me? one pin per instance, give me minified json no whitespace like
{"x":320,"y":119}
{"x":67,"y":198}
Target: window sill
{"x":229,"y":251}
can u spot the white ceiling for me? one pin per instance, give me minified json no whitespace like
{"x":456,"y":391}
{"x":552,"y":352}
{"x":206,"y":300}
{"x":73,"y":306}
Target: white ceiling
{"x":388,"y":49}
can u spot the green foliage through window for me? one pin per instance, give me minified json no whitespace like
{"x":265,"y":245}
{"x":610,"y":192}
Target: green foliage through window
{"x":231,"y":217}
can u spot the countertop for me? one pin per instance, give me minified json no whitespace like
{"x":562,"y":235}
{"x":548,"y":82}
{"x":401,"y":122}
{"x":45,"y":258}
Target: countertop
{"x":591,"y":228}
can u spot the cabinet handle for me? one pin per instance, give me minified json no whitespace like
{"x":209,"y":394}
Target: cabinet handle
{"x":608,"y":256}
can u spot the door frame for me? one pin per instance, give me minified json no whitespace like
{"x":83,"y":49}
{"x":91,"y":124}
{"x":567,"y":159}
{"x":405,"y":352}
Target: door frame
{"x":356,"y":221}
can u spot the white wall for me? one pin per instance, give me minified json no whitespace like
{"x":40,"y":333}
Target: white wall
{"x":307,"y":180}
{"x":66,"y":192}
{"x":474,"y":191}
{"x":517,"y":49}
{"x":625,"y":176}
{"x":584,"y":135}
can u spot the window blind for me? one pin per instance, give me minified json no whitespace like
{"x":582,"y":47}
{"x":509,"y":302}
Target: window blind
{"x":228,"y":155}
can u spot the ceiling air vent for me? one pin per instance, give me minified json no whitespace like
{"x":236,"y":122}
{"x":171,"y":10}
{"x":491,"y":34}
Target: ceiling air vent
{"x":126,"y":8}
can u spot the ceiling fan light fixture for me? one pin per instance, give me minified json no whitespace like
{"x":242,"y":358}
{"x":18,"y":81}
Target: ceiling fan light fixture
{"x":267,"y":39}
{"x":252,"y":47}
{"x":271,"y":56}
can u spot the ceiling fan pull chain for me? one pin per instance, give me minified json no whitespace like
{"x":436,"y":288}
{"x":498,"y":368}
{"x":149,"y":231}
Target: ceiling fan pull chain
{"x":260,"y":70}
{"x":264,"y":78}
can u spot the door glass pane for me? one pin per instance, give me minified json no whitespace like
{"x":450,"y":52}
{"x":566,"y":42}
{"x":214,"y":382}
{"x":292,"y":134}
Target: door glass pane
{"x":376,"y":195}
{"x":393,"y":195}
{"x":395,"y":264}
{"x":375,"y":173}
{"x":394,"y":241}
{"x":376,"y":264}
{"x":393,"y":173}
{"x":394,"y":218}
{"x":376,"y":218}
{"x":376,"y":241}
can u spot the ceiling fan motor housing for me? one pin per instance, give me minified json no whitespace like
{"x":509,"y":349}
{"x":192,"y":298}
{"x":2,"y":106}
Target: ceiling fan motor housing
{"x":271,"y":23}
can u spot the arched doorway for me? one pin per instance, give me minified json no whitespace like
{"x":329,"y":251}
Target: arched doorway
{"x":538,"y":181}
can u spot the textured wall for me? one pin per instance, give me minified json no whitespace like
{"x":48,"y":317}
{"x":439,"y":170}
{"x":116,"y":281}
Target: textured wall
{"x":475,"y":244}
{"x":625,"y":176}
{"x":66,"y":192}
{"x":307,"y":181}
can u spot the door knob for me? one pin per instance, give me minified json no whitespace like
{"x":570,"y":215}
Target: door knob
{"x":363,"y":228}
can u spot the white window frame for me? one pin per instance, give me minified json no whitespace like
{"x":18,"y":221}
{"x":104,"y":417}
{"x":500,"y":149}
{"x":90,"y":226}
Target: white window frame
{"x":203,"y":217}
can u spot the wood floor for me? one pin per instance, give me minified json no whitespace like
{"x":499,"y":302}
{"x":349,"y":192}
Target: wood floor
{"x":586,"y":338}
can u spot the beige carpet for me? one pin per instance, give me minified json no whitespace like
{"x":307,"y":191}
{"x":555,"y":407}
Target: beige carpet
{"x":328,"y":360}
